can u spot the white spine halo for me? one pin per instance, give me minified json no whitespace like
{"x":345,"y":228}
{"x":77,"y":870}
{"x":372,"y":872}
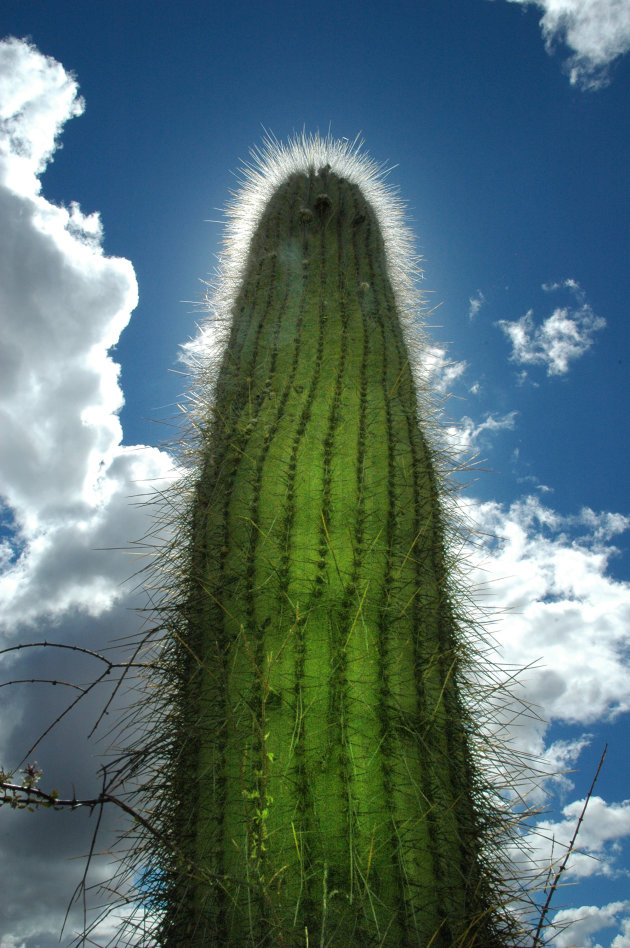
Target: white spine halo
{"x":270,"y":164}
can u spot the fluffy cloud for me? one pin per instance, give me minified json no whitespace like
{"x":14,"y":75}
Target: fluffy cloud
{"x":65,"y":476}
{"x":68,"y":485}
{"x":554,"y":610}
{"x":577,"y":926}
{"x":603,"y":826}
{"x":563,"y":337}
{"x":597,"y":31}
{"x":559,"y":613}
{"x":561,"y":626}
{"x":37,"y":96}
{"x":622,"y":940}
{"x":562,"y":623}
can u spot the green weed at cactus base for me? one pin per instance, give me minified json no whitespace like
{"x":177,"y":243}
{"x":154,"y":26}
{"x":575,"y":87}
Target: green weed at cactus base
{"x":323,"y":791}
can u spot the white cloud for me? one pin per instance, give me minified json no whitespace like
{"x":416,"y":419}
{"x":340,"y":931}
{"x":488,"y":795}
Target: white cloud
{"x":563,"y":337}
{"x":67,"y":481}
{"x":575,"y":927}
{"x":622,"y":940}
{"x":568,"y":284}
{"x":563,"y":624}
{"x":437,"y":371}
{"x":558,"y":616}
{"x":559,"y":613}
{"x":476,"y":302}
{"x":597,"y":31}
{"x":37,"y":96}
{"x":559,"y":760}
{"x":10,"y":941}
{"x":597,"y":844}
{"x":466,"y":435}
{"x":64,"y":473}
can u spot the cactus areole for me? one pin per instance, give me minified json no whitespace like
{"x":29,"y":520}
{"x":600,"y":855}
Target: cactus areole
{"x":322,"y":784}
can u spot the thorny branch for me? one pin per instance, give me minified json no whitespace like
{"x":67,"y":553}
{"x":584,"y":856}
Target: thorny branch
{"x":24,"y":796}
{"x":83,"y":691}
{"x":570,"y":849}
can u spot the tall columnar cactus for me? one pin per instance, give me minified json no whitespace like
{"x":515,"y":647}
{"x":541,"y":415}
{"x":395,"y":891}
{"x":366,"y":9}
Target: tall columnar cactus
{"x":322,"y":789}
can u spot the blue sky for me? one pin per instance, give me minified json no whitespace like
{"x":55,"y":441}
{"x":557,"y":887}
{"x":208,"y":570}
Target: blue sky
{"x":506,"y":127}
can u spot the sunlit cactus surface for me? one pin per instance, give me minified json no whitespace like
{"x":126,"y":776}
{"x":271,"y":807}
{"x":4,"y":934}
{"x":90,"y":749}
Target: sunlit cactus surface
{"x":322,"y":789}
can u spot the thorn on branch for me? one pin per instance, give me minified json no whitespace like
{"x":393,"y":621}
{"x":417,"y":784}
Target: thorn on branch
{"x":570,"y":849}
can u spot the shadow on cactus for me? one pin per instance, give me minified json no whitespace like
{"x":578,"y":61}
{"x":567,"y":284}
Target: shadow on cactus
{"x":311,"y":763}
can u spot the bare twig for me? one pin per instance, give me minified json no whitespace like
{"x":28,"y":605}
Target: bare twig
{"x":41,"y":681}
{"x":563,"y":865}
{"x":84,"y":691}
{"x":22,"y":796}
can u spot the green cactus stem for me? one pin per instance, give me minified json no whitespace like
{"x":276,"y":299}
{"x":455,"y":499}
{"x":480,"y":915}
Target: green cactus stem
{"x":322,"y":788}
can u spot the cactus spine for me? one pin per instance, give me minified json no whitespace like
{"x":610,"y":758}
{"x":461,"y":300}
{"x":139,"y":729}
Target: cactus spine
{"x":322,"y":789}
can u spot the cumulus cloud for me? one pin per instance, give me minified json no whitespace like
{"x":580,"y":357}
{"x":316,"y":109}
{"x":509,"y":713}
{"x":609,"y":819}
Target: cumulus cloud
{"x":65,"y":475}
{"x":597,"y":32}
{"x":597,"y":848}
{"x":578,"y":926}
{"x":37,"y":96}
{"x":560,"y":339}
{"x":559,"y":618}
{"x":560,"y":613}
{"x":555,"y":614}
{"x":622,"y":940}
{"x":603,"y":826}
{"x":68,"y":483}
{"x":9,"y":941}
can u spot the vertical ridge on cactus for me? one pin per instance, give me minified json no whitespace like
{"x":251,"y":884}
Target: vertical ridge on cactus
{"x":320,"y":784}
